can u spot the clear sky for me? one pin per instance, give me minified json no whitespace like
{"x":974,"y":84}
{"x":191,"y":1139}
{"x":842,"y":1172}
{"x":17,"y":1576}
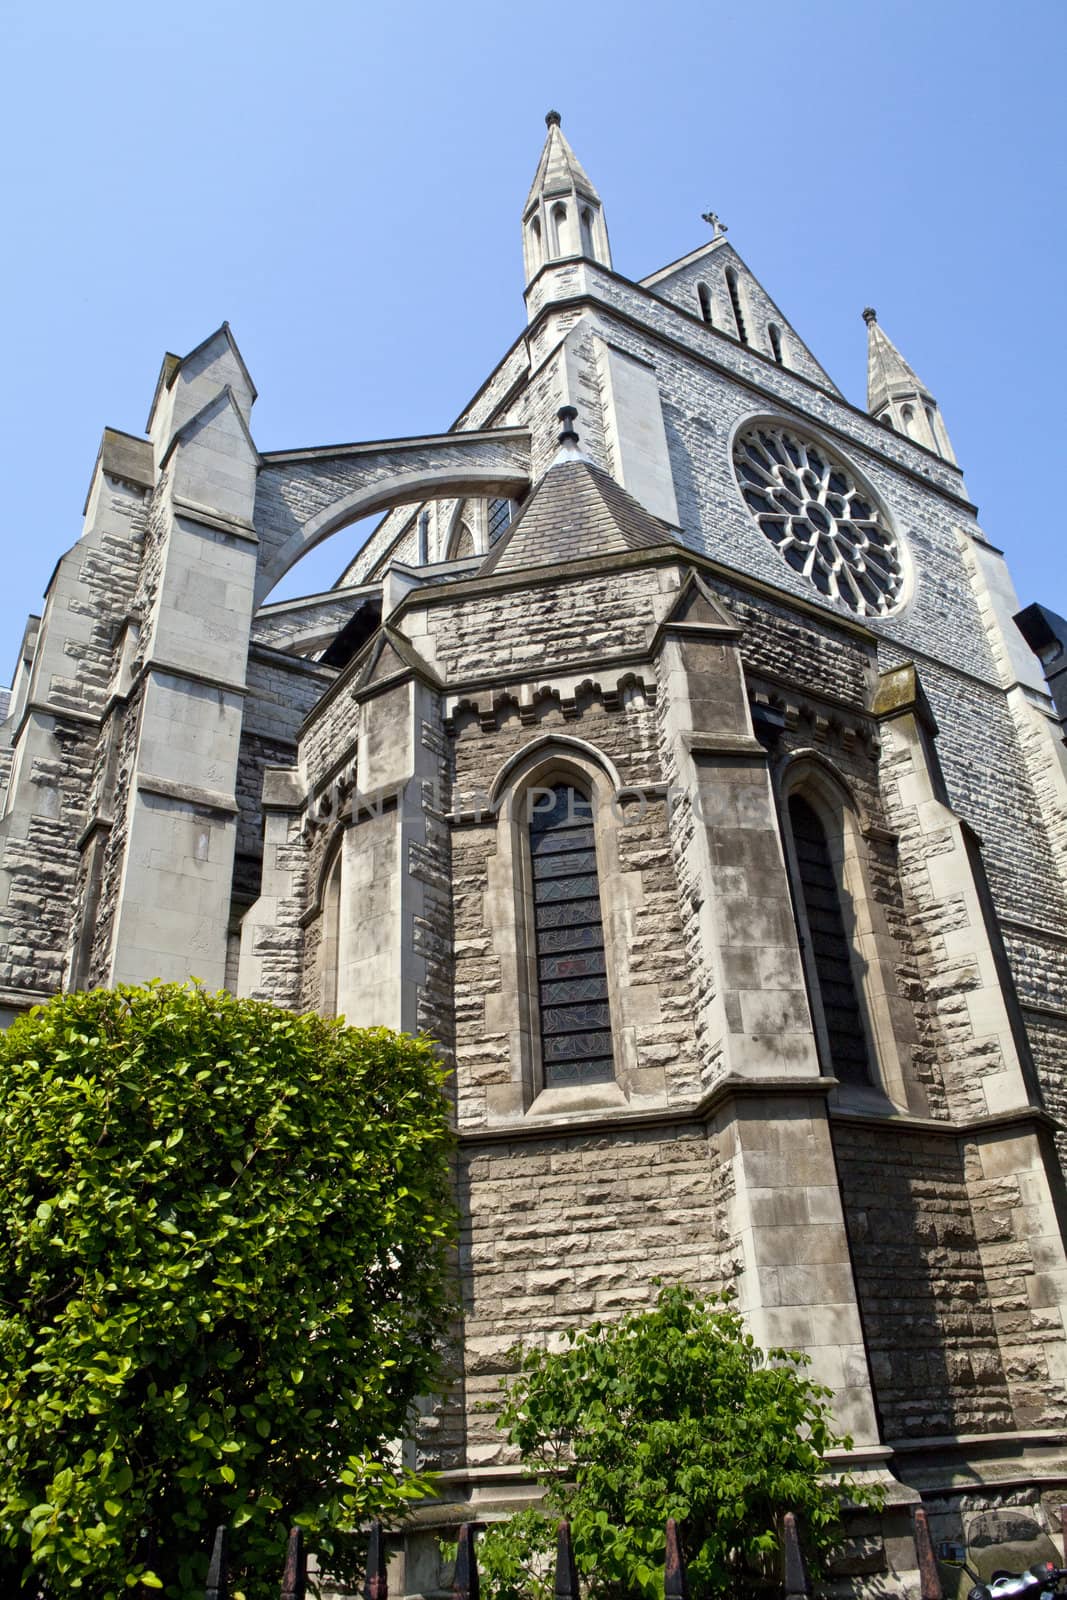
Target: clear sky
{"x":343,"y":183}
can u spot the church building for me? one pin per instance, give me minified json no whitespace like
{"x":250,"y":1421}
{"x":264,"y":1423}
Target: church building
{"x":670,"y":754}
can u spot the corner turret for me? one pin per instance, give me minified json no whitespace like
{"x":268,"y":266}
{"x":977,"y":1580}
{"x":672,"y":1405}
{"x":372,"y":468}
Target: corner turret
{"x":896,"y":395}
{"x":562,"y":217}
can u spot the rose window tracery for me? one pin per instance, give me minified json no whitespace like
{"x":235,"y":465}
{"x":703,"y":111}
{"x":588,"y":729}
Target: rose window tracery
{"x":822,"y":520}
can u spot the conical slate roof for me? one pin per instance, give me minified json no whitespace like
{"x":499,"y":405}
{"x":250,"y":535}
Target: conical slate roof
{"x":559,"y":171}
{"x":576,"y":510}
{"x":887,"y":371}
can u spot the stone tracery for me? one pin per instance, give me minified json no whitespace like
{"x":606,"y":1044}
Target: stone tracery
{"x":823,"y":522}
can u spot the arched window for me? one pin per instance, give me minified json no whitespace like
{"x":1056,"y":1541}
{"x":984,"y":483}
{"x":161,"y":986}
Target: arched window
{"x":735,"y":300}
{"x":561,"y":230}
{"x":462,"y":543}
{"x":568,"y":939}
{"x":587,"y":232}
{"x":829,"y":950}
{"x":536,"y":252}
{"x":704,"y":297}
{"x":498,"y":520}
{"x":776,"y":342}
{"x":907,"y":417}
{"x":330,"y":947}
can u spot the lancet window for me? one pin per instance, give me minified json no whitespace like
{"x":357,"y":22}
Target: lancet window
{"x":829,"y":954}
{"x":568,"y":940}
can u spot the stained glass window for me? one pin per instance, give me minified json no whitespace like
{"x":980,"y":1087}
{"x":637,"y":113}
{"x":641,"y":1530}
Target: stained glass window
{"x":825,"y":526}
{"x":830,"y":955}
{"x":572,"y":980}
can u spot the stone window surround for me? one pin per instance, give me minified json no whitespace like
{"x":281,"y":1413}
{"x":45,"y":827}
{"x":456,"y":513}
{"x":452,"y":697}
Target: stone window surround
{"x":555,"y":758}
{"x":329,"y":949}
{"x":810,"y":429}
{"x":810,"y":774}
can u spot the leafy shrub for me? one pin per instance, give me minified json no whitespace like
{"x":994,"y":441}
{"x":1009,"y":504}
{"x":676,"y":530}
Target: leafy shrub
{"x":223,"y":1231}
{"x":672,"y":1412}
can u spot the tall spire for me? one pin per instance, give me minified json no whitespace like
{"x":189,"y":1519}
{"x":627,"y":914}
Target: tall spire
{"x":897,"y":395}
{"x":563,"y":216}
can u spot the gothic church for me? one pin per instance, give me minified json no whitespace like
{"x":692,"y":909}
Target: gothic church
{"x":670,"y":754}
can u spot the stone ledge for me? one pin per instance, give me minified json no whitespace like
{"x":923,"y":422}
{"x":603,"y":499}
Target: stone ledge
{"x":723,"y":744}
{"x":991,"y":1122}
{"x":24,"y":998}
{"x":186,"y":794}
{"x":699,"y":1111}
{"x":188,"y":674}
{"x":192,"y":511}
{"x":100,"y":823}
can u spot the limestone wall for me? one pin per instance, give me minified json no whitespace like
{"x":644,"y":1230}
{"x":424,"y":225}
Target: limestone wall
{"x":560,"y":1230}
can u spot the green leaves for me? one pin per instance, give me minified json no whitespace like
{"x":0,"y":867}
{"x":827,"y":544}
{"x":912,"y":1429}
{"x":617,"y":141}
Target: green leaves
{"x":669,"y":1412}
{"x":217,"y":1219}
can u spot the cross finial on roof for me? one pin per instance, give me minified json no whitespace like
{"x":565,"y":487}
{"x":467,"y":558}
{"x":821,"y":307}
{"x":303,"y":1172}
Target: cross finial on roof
{"x":718,"y":228}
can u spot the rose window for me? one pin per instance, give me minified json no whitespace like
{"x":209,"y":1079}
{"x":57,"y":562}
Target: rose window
{"x":823,"y":522}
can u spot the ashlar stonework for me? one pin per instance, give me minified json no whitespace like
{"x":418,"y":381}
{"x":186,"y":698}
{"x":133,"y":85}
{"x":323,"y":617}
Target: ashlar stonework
{"x":690,"y":1040}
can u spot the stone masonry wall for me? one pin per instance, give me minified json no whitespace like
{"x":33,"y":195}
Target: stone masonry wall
{"x":282,"y":692}
{"x":43,"y":866}
{"x":558,"y":1231}
{"x":626,"y":736}
{"x":934,"y":1356}
{"x":512,"y":631}
{"x":46,"y":866}
{"x":680,"y":288}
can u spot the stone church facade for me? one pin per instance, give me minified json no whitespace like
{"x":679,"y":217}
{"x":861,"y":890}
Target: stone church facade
{"x":670,"y":754}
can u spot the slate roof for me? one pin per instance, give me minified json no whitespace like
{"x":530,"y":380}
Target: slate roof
{"x":577,"y":510}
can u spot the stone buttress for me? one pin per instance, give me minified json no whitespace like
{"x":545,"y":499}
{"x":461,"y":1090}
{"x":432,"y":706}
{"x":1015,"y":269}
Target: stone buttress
{"x":682,"y":773}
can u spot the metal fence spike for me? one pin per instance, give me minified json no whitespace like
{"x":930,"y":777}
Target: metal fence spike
{"x":566,"y":1571}
{"x":929,"y":1577}
{"x":376,"y":1583}
{"x":218,"y":1572}
{"x":465,"y":1583}
{"x":294,"y":1579}
{"x":675,"y":1577}
{"x":795,"y":1577}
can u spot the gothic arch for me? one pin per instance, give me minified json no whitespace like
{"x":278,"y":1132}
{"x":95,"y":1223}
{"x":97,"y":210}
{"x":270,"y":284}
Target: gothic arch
{"x":808,"y":775}
{"x":545,"y":752}
{"x":546,"y":762}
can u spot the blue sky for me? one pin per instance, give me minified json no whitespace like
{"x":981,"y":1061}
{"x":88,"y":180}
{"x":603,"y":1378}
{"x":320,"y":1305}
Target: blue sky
{"x":343,"y":183}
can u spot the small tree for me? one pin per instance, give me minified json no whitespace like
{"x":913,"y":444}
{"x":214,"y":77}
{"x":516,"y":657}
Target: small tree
{"x":223,"y":1231}
{"x":673,"y":1412}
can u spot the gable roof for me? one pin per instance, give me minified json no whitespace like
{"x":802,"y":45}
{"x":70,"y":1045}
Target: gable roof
{"x":576,"y":510}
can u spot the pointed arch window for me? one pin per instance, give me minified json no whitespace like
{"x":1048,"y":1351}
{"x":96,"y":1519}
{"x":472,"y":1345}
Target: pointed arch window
{"x":776,"y":342}
{"x":568,"y":938}
{"x":828,"y":948}
{"x":498,"y":519}
{"x":330,"y":949}
{"x":734,"y":286}
{"x":562,"y":230}
{"x":588,"y":248}
{"x":704,"y":297}
{"x":462,"y":543}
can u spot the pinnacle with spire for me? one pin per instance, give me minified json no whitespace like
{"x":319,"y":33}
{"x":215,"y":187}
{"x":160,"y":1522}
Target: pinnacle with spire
{"x":897,"y":395}
{"x":563,"y":217}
